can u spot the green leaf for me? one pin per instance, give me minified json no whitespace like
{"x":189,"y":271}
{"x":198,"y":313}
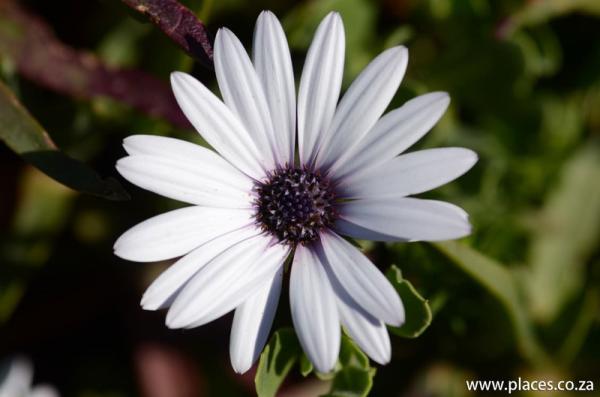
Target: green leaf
{"x":25,"y":136}
{"x":355,"y":376}
{"x":417,"y":310}
{"x":276,"y":361}
{"x":563,"y":239}
{"x":352,"y":382}
{"x":538,"y":12}
{"x":306,"y":366}
{"x":501,"y":283}
{"x":351,"y":355}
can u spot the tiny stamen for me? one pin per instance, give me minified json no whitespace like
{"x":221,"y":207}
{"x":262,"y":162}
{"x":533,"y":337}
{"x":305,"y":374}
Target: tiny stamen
{"x":295,"y":204}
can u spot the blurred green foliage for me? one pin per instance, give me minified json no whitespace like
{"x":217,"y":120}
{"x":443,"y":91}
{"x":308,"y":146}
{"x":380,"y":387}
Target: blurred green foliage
{"x":520,"y":297}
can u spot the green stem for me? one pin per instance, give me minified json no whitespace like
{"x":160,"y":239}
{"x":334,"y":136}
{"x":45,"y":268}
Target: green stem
{"x":580,"y":330}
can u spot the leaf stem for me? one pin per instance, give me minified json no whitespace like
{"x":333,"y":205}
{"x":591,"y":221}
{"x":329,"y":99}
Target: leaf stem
{"x":180,"y":24}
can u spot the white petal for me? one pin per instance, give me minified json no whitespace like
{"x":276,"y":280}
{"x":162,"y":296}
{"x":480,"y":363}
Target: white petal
{"x":362,"y":279}
{"x":252,"y":322}
{"x":273,"y":65}
{"x":177,"y":232}
{"x":185,"y":181}
{"x":164,"y":289}
{"x":243,"y":93}
{"x":369,"y":333}
{"x":226,"y":282}
{"x":189,"y":153}
{"x":218,"y":125}
{"x":363,"y":104}
{"x":410,"y":173}
{"x":408,"y":218}
{"x":193,"y":156}
{"x":393,"y":133}
{"x":43,"y":391}
{"x":346,"y":228}
{"x":320,"y":85}
{"x":17,"y":380}
{"x":314,"y":311}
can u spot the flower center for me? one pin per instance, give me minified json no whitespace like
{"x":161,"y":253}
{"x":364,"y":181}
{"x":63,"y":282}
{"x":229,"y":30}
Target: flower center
{"x":294,"y":204}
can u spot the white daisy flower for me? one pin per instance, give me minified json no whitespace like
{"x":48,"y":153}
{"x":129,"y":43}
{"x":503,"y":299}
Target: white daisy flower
{"x":257,"y":201}
{"x":16,"y":381}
